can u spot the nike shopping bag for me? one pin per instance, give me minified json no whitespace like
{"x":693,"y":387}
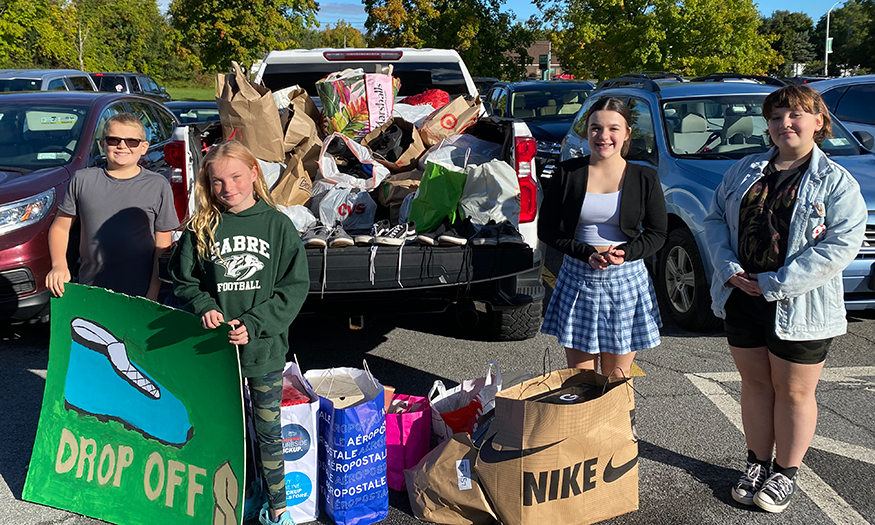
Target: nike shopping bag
{"x":352,"y":445}
{"x":562,"y":449}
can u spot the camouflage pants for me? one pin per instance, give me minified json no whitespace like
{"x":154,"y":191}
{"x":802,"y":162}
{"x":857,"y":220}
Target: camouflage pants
{"x":267,"y":394}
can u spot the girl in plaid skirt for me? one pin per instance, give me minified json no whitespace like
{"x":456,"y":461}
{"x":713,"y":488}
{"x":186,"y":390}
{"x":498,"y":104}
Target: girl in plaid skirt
{"x":606,"y":216}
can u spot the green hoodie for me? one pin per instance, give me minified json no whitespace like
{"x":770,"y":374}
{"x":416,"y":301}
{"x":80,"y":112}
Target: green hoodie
{"x":259,"y":277}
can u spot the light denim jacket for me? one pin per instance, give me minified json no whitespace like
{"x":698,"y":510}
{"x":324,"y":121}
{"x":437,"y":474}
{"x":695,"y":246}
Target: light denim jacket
{"x":808,"y":288}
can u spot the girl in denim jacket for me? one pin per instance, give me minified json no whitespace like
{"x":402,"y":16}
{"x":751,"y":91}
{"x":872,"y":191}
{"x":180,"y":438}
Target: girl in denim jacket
{"x":783,"y":225}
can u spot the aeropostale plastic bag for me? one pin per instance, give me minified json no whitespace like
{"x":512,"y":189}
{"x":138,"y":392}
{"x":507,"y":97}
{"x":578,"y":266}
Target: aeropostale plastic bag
{"x":352,"y":445}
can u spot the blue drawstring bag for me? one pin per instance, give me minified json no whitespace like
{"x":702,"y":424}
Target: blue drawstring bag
{"x":352,"y":445}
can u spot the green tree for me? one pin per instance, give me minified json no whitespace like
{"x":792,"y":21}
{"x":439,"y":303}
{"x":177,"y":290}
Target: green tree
{"x":850,"y":27}
{"x":35,"y":33}
{"x":606,"y":38}
{"x":491,"y":42}
{"x":220,"y":31}
{"x":792,"y":34}
{"x":342,"y":35}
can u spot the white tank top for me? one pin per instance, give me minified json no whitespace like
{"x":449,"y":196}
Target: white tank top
{"x":599,"y":223}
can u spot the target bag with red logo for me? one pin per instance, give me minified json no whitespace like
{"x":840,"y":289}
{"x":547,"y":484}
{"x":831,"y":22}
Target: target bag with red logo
{"x":299,"y":412}
{"x":453,"y":119}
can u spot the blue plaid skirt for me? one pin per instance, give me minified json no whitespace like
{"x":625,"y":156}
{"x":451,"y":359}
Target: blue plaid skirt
{"x":612,"y":310}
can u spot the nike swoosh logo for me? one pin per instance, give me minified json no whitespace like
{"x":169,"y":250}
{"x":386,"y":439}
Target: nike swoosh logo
{"x":613,"y":473}
{"x":488,"y":454}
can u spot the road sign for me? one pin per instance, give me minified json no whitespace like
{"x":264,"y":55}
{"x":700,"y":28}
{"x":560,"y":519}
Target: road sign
{"x":829,"y":45}
{"x":544,"y":61}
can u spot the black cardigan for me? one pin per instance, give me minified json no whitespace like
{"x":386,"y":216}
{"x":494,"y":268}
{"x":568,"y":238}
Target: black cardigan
{"x":642,"y":210}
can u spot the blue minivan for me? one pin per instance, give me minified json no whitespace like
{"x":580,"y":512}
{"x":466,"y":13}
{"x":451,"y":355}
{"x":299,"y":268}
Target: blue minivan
{"x":691,"y":133}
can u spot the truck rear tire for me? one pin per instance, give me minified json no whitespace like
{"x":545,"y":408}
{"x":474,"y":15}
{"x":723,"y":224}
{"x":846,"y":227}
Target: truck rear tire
{"x":515,"y":324}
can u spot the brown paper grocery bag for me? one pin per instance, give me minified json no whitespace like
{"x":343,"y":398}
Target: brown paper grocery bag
{"x":561,"y":464}
{"x":452,"y":119}
{"x":248,"y":114}
{"x":294,"y":186}
{"x":394,"y":188}
{"x":407,"y":160}
{"x":299,"y":121}
{"x":443,"y":487}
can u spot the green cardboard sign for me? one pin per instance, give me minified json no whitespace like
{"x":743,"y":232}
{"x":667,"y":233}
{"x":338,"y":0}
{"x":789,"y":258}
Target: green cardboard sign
{"x":142,"y":416}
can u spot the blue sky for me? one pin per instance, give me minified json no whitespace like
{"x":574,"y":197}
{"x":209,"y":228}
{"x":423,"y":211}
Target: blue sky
{"x":354,"y":13}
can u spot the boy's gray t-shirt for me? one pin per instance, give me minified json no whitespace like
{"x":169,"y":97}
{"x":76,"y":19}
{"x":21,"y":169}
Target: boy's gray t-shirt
{"x":119,"y":218}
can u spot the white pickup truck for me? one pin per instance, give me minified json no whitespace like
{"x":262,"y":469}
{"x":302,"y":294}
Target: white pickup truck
{"x":506,"y":280}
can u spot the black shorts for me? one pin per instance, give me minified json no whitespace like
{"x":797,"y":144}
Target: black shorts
{"x":750,"y":323}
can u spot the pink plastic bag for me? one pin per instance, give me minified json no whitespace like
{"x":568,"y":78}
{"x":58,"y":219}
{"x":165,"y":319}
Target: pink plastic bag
{"x":408,"y":436}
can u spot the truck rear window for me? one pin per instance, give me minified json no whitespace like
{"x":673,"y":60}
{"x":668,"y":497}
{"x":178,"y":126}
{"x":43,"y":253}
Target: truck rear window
{"x":112,"y":83}
{"x":416,"y":77}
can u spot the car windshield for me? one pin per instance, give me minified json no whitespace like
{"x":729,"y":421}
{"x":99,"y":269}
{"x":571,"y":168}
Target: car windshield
{"x":548,"y":102}
{"x":39,"y":136}
{"x":20,"y":84}
{"x":731,"y":127}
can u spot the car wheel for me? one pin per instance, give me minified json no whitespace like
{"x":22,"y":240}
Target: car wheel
{"x":515,"y":324}
{"x":682,"y":285}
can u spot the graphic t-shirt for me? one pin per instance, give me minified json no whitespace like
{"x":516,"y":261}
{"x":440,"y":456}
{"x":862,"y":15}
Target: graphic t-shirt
{"x":764,"y":218}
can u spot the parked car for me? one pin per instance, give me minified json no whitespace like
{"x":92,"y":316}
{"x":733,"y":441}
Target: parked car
{"x":131,"y":83}
{"x":635,"y":78}
{"x":44,"y":139}
{"x":506,"y":281}
{"x":483,"y":84}
{"x":547,"y":107}
{"x":852,"y":100}
{"x":194,"y":112}
{"x":804,"y":80}
{"x":691,"y":133}
{"x":45,"y":80}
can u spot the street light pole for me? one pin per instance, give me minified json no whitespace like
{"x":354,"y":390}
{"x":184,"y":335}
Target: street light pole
{"x":826,"y":44}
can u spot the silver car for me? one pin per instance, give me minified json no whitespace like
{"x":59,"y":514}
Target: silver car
{"x":851,"y":100}
{"x":45,"y":80}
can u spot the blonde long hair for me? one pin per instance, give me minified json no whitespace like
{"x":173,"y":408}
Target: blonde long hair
{"x":208,"y":210}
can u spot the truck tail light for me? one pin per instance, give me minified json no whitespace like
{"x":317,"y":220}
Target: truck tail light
{"x":525,"y":149}
{"x":174,"y":155}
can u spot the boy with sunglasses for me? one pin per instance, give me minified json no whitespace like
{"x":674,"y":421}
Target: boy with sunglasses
{"x":126,"y":215}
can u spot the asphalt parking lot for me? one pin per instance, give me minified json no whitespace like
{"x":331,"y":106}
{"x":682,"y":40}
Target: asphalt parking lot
{"x":691,"y":446}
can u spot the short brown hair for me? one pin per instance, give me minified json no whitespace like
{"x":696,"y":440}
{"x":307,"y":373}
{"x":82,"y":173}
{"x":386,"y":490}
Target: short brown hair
{"x":127,"y":119}
{"x":612,"y":104}
{"x":804,"y":97}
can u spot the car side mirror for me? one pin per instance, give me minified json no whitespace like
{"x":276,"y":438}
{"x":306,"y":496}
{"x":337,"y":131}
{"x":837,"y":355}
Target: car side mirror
{"x":161,"y":89}
{"x":488,"y":108}
{"x":866,"y":139}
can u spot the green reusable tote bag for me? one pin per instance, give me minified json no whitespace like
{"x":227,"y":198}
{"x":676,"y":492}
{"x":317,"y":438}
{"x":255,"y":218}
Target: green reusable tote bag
{"x":439,"y":194}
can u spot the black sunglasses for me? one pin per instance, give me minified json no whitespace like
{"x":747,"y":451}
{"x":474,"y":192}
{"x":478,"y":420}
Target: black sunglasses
{"x":115,"y":141}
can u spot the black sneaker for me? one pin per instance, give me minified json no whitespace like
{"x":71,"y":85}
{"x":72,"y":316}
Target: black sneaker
{"x":459,"y":233}
{"x":487,"y":236}
{"x":379,"y":228}
{"x":750,"y":482}
{"x":508,"y":234}
{"x":316,"y":236}
{"x":776,"y":493}
{"x":398,"y":235}
{"x":338,"y":237}
{"x":431,"y":238}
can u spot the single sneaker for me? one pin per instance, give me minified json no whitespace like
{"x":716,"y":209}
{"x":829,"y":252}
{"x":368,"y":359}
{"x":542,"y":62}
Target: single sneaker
{"x":431,"y":238}
{"x":379,"y":228}
{"x":776,"y":493}
{"x":508,"y":234}
{"x":316,"y":236}
{"x":459,"y":233}
{"x":750,"y":482}
{"x":398,"y":235}
{"x":486,"y":236}
{"x":338,"y":237}
{"x":283,"y":519}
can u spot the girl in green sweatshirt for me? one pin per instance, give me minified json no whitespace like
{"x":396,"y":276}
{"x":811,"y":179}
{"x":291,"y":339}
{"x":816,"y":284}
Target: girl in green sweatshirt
{"x":240,"y":262}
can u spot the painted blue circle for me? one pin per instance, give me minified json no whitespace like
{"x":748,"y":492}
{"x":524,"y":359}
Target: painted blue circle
{"x":298,"y":488}
{"x":296,"y":442}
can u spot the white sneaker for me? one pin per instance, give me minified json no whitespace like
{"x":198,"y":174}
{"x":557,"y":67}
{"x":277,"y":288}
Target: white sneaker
{"x":776,"y":493}
{"x":398,"y":235}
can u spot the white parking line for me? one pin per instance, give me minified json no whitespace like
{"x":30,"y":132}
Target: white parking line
{"x":829,"y":501}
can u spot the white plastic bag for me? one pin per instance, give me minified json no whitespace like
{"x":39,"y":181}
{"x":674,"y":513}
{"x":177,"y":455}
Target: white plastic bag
{"x":301,"y":216}
{"x":461,"y":151}
{"x":492,"y":192}
{"x":329,"y":170}
{"x":352,"y":207}
{"x":300,"y":448}
{"x":458,"y":409}
{"x":416,"y":115}
{"x":272,"y":172}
